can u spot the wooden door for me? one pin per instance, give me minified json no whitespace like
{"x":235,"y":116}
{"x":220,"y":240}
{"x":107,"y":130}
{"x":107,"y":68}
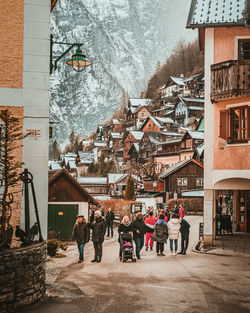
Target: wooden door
{"x":61,"y":218}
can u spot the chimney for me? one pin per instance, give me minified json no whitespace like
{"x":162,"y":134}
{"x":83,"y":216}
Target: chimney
{"x":181,"y":75}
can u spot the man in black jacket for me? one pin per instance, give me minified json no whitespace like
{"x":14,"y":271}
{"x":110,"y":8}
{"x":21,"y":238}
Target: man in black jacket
{"x":98,"y":232}
{"x":110,"y":216}
{"x":184,"y":230}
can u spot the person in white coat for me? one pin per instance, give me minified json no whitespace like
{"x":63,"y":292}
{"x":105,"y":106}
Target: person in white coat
{"x":173,"y":232}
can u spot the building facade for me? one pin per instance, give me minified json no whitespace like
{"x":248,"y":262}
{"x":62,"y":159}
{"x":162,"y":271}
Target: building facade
{"x":24,"y":90}
{"x":224,"y":36}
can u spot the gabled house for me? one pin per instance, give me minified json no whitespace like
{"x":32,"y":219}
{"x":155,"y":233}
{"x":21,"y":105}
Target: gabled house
{"x":132,"y":137}
{"x":188,"y":107}
{"x":224,"y":36}
{"x":184,"y":176}
{"x":136,"y":111}
{"x":189,"y":142}
{"x":156,"y":124}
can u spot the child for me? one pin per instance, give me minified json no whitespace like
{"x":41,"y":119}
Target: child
{"x":160,"y":235}
{"x":174,"y":231}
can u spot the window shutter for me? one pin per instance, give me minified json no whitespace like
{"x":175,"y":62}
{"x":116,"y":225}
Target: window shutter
{"x":223,"y":125}
{"x":248,"y":122}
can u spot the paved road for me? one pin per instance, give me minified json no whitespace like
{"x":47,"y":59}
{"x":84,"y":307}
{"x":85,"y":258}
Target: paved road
{"x":176,"y":284}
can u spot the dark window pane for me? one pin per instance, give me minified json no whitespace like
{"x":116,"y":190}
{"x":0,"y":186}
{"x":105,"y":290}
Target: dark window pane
{"x":243,"y":134}
{"x":236,"y":124}
{"x":245,"y":45}
{"x":236,"y":134}
{"x":236,"y":114}
{"x":245,"y":55}
{"x":243,"y":113}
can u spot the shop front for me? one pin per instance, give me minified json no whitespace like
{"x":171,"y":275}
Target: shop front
{"x":232,"y":211}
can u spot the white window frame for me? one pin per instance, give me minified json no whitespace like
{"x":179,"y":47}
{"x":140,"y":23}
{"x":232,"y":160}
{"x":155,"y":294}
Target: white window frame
{"x":182,"y":181}
{"x":199,"y":180}
{"x":236,"y":46}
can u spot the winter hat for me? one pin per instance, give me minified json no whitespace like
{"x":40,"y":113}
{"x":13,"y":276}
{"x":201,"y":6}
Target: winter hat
{"x":80,"y":216}
{"x":98,"y":212}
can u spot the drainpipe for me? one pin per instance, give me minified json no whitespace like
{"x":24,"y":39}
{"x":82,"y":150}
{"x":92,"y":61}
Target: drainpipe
{"x":246,"y":13}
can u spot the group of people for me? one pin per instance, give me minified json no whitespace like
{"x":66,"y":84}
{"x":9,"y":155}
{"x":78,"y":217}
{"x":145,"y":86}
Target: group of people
{"x":156,"y":226}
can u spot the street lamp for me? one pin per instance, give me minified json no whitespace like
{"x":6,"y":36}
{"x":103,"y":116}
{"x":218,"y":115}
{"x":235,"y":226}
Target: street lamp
{"x":78,"y":61}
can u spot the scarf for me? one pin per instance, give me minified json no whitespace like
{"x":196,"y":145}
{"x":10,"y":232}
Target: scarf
{"x":125,"y":223}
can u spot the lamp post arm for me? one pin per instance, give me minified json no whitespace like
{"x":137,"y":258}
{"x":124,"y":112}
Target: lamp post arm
{"x":65,"y":52}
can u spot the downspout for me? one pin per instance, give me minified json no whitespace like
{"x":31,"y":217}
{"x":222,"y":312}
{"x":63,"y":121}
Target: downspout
{"x":246,"y":13}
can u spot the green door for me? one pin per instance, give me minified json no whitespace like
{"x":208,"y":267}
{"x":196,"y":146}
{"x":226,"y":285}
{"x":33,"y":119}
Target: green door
{"x":61,"y":218}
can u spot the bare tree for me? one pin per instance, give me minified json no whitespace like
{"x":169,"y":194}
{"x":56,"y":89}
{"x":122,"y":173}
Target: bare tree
{"x":10,"y":167}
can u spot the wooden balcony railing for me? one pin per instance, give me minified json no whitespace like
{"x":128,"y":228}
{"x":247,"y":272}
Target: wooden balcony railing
{"x":230,"y":79}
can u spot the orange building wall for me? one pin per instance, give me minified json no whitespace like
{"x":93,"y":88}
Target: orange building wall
{"x":150,"y":127}
{"x":188,"y":155}
{"x":143,"y":114}
{"x":224,"y":42}
{"x":231,"y":157}
{"x":166,"y":161}
{"x":11,"y":39}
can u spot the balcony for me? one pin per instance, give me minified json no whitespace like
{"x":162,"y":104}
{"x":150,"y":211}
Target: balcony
{"x":230,"y":79}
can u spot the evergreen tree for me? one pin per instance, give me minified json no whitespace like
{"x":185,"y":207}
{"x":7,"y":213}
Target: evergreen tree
{"x":56,"y":150}
{"x":130,"y":189}
{"x":72,"y":137}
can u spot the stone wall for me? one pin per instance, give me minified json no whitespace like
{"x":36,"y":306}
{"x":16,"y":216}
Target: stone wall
{"x":22,"y":276}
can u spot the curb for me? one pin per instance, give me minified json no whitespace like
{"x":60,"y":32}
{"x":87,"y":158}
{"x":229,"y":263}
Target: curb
{"x":214,"y":253}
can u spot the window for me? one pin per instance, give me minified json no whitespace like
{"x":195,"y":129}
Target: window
{"x":199,"y":182}
{"x":182,"y":181}
{"x":244,"y":49}
{"x":235,"y":125}
{"x":239,"y":124}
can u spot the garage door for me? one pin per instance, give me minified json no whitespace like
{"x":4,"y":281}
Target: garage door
{"x":61,"y":218}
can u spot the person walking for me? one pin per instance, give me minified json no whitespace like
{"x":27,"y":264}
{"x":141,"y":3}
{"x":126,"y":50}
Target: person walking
{"x":174,"y":230}
{"x":175,"y":210}
{"x":110,"y":216}
{"x":181,"y":211}
{"x":98,"y":232}
{"x":184,"y":230}
{"x":124,"y":228}
{"x":165,"y":217}
{"x":81,"y":235}
{"x":160,"y":235}
{"x":149,"y":228}
{"x":138,"y":233}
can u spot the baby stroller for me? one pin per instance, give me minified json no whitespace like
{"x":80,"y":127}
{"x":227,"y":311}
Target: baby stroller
{"x":127,"y":248}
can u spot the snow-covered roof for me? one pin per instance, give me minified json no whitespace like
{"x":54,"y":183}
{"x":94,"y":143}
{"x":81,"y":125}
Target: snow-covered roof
{"x":120,"y":150}
{"x":168,"y":112}
{"x":140,"y":107}
{"x":196,"y":134}
{"x":195,"y":108}
{"x":55,"y":166}
{"x":198,"y":100}
{"x":100,"y":143}
{"x":113,"y":178}
{"x":200,"y":149}
{"x":86,"y":157}
{"x":72,"y":164}
{"x":178,"y":80}
{"x":116,"y":122}
{"x":92,"y":180}
{"x":193,"y":193}
{"x":176,"y":140}
{"x":207,"y":13}
{"x":136,"y":145}
{"x":86,"y":142}
{"x":116,"y":135}
{"x":136,"y":102}
{"x":164,"y":120}
{"x":137,"y":134}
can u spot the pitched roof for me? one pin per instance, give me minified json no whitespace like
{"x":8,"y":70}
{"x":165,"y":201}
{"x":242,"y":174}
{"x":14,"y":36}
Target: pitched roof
{"x":136,"y":102}
{"x":57,"y":174}
{"x":177,"y":166}
{"x":196,"y":134}
{"x":195,"y":108}
{"x":198,"y":100}
{"x":116,"y":135}
{"x":215,"y":13}
{"x":113,"y":178}
{"x":137,"y":134}
{"x":116,"y":121}
{"x":200,"y":149}
{"x":178,"y":80}
{"x":92,"y":180}
{"x":140,"y":107}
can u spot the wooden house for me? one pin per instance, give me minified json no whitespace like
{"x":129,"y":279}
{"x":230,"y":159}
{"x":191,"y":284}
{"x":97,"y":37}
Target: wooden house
{"x":94,"y":185}
{"x":157,"y":124}
{"x":132,"y":137}
{"x":188,"y":107}
{"x":189,"y":142}
{"x":183,"y":176}
{"x":67,"y":199}
{"x":136,"y":111}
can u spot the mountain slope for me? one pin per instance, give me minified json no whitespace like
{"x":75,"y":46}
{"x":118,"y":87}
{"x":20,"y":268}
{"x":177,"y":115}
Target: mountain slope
{"x":124,"y":39}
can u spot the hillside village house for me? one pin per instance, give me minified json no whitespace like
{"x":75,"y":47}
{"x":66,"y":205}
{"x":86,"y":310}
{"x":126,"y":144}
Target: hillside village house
{"x":157,"y":124}
{"x":24,"y":91}
{"x":132,"y":137}
{"x":224,"y":36}
{"x":188,"y":107}
{"x":136,"y":112}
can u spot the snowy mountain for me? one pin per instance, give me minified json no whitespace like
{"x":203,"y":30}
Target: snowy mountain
{"x":125,"y":39}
